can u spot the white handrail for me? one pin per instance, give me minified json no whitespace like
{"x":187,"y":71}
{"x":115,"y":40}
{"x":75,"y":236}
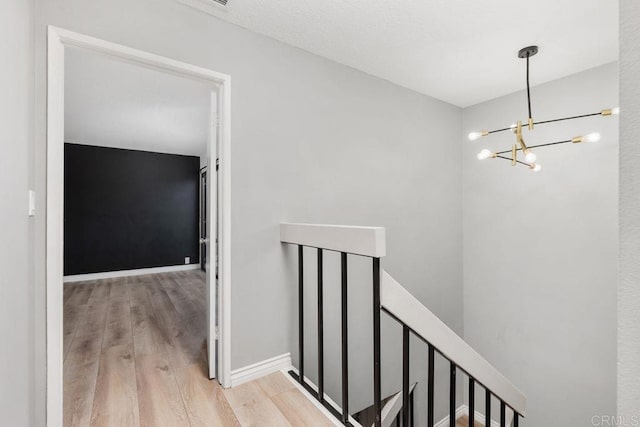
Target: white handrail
{"x":406,"y":308}
{"x":367,"y":241}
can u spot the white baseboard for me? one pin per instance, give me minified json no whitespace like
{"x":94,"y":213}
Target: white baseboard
{"x":478,"y":417}
{"x":125,"y":273}
{"x":260,"y":369}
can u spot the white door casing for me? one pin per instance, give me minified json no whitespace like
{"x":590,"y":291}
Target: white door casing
{"x":211,"y":240}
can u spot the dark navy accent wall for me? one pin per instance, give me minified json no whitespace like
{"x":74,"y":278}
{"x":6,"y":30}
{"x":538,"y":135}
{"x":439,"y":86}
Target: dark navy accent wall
{"x":127,"y":209}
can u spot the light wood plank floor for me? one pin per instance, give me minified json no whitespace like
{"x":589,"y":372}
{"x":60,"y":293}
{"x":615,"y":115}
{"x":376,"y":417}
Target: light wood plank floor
{"x":135,"y":355}
{"x":463,"y":421}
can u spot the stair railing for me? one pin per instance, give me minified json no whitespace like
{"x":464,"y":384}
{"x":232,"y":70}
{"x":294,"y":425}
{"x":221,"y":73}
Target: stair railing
{"x":363,"y":241}
{"x":390,"y":297}
{"x":416,"y":319}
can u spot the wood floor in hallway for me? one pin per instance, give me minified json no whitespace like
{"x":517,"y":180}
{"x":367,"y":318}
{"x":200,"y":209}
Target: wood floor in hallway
{"x":135,"y":355}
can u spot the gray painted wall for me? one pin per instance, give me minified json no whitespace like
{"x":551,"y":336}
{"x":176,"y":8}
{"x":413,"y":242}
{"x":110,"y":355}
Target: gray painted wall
{"x":312,"y":141}
{"x":540,"y":250}
{"x":272,"y":84}
{"x":629,"y":279}
{"x":16,"y":292}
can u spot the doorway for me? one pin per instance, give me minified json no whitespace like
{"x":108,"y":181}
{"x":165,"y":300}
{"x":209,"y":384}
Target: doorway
{"x":218,"y":301}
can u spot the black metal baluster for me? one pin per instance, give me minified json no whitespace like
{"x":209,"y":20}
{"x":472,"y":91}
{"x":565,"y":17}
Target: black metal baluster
{"x":430,"y":383}
{"x":411,"y":410}
{"x":472,"y":401}
{"x":452,"y":395}
{"x":516,"y":419}
{"x":377,"y":385}
{"x":320,"y":330}
{"x":405,"y":376}
{"x":487,"y":408}
{"x":301,"y":313}
{"x":345,"y":349}
{"x":503,"y":414}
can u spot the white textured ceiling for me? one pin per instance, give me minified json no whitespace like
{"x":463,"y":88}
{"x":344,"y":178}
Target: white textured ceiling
{"x":110,"y":103}
{"x":462,"y":52}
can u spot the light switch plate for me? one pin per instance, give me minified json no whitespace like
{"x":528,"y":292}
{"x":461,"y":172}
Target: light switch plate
{"x":32,"y":203}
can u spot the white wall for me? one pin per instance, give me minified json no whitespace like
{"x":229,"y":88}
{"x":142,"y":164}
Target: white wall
{"x":16,"y":292}
{"x":311,"y":141}
{"x":110,"y":103}
{"x":540,"y":250}
{"x":629,"y":279}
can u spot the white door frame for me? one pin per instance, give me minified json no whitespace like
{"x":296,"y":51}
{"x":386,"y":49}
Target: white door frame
{"x":58,"y":39}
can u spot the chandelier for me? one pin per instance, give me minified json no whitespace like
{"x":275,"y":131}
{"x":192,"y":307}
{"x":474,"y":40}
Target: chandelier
{"x":529,"y":158}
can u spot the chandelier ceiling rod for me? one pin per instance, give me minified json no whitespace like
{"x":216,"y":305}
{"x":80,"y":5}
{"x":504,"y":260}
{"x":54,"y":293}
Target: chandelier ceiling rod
{"x":528,"y":87}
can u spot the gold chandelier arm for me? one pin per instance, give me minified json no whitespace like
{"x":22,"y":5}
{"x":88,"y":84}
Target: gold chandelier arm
{"x":500,"y":130}
{"x":566,"y":141}
{"x":606,"y":112}
{"x":519,"y":137}
{"x":509,"y":158}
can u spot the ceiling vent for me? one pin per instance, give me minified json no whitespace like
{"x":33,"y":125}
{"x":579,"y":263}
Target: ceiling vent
{"x":222,"y":2}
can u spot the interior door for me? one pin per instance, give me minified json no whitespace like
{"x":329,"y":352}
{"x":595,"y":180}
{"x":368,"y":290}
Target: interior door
{"x":211,"y":242}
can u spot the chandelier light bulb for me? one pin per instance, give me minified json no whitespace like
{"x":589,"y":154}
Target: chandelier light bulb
{"x":475,"y":135}
{"x":615,"y":111}
{"x":592,"y":137}
{"x":531,"y":157}
{"x":536,"y":167}
{"x":484,"y":154}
